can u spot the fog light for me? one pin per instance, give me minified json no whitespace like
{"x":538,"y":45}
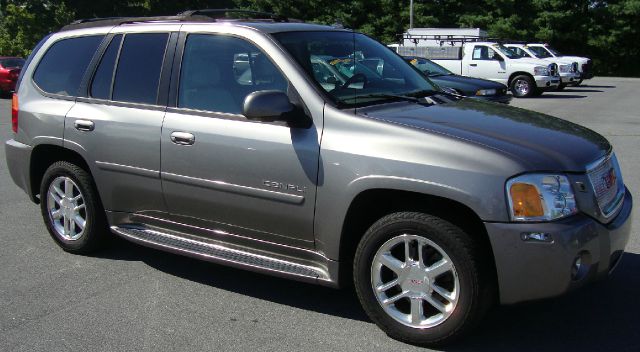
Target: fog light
{"x":580,"y":266}
{"x":536,"y":237}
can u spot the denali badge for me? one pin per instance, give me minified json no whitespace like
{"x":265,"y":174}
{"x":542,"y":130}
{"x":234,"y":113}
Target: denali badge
{"x":284,"y":186}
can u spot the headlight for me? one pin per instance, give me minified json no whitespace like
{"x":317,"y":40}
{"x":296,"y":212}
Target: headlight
{"x":540,"y":197}
{"x":486,"y":92}
{"x":565,"y":68}
{"x":540,"y":71}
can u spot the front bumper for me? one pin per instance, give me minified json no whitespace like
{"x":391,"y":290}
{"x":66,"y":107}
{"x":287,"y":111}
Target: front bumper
{"x":569,"y":78}
{"x":18,"y":156}
{"x":534,"y":270}
{"x":547,"y":82}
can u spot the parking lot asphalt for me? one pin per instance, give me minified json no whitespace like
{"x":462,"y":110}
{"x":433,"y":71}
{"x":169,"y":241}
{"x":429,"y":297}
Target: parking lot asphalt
{"x":130,"y":298}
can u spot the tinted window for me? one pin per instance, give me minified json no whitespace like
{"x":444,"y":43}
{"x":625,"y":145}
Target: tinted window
{"x":11,"y":63}
{"x":218,"y":72}
{"x":101,"y":84}
{"x":62,"y":67}
{"x":139,"y":66}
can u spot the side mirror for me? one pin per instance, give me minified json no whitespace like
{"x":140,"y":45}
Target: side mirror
{"x":332,"y":80}
{"x":273,"y":105}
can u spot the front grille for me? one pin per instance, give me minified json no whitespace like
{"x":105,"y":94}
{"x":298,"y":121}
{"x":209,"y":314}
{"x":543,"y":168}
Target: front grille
{"x":606,"y":179}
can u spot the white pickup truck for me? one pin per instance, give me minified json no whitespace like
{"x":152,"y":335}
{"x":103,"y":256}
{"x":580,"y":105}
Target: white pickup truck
{"x":585,"y":65}
{"x":492,"y":61}
{"x":569,"y":74}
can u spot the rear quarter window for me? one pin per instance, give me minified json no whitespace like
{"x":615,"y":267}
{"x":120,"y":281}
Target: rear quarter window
{"x":61,"y":68}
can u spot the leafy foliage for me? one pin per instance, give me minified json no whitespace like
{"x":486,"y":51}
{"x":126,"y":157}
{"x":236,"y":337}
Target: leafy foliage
{"x":605,"y":30}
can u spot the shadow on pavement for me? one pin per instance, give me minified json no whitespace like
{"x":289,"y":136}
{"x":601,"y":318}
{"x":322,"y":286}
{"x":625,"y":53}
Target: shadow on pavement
{"x":596,"y":318}
{"x":342,"y":303}
{"x":590,"y":86}
{"x":578,"y":90}
{"x":601,"y":317}
{"x":553,"y":95}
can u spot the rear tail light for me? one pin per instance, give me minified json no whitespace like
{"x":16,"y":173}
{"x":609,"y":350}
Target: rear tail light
{"x":14,"y":113}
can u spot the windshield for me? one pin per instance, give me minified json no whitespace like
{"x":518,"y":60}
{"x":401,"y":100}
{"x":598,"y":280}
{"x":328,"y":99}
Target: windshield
{"x":429,"y":67}
{"x":353,"y":68}
{"x":12,"y":63}
{"x":539,"y":52}
{"x":553,"y":51}
{"x":506,"y":51}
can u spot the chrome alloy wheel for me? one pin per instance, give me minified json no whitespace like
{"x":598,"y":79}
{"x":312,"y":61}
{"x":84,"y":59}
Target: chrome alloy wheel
{"x":66,"y":208}
{"x":415,"y":281}
{"x":522,"y":87}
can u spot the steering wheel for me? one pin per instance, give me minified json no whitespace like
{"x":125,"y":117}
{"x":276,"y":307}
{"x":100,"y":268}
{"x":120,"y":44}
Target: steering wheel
{"x":358,"y":77}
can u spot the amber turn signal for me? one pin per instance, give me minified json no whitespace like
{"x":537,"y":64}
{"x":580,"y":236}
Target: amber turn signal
{"x":526,"y":200}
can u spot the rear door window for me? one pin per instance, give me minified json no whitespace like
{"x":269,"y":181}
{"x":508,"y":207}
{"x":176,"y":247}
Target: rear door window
{"x":101,"y":84}
{"x":63,"y":65}
{"x":139,"y":66}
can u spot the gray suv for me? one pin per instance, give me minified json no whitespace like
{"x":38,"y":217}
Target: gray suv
{"x":223,"y":140}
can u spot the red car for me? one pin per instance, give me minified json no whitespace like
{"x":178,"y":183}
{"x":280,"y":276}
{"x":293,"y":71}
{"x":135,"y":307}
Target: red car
{"x":9,"y":71}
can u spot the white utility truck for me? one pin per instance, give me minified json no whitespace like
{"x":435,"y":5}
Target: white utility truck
{"x":585,"y":65}
{"x":464,"y":52}
{"x":569,"y":75}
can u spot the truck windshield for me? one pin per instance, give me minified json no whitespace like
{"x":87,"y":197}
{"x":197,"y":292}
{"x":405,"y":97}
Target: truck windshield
{"x":539,"y":52}
{"x":506,"y":51}
{"x":553,"y":51}
{"x":354,"y":69}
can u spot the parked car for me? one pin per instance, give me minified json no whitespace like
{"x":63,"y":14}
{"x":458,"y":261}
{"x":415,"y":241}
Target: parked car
{"x":9,"y":71}
{"x":585,"y":65}
{"x":468,"y":86}
{"x":568,"y":69}
{"x":433,"y":206}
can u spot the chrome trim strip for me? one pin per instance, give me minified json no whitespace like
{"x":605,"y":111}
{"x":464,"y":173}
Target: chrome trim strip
{"x":233,"y":188}
{"x":126,"y":169}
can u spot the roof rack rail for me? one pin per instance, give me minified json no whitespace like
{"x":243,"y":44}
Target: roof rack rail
{"x":205,"y":15}
{"x":222,"y":14}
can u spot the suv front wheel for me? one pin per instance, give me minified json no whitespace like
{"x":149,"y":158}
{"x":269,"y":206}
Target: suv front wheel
{"x":71,"y":208}
{"x":418,"y":278}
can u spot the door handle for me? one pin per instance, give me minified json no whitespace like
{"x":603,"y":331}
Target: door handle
{"x":473,"y":65}
{"x":84,"y":125}
{"x":183,"y":138}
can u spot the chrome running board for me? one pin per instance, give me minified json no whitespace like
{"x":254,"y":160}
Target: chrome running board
{"x":219,"y":253}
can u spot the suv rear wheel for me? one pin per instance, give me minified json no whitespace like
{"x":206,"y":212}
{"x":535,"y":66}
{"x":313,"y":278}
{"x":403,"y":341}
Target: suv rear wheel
{"x":71,"y":208}
{"x":418,"y":278}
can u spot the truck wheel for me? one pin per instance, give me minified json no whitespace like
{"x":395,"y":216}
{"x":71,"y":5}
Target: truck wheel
{"x":71,"y":208}
{"x":579,"y":82}
{"x":562,"y":86}
{"x":523,"y":86}
{"x":418,"y":277}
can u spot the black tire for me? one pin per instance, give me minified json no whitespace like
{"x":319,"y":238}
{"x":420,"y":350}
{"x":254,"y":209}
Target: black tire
{"x":520,"y":93}
{"x":95,"y":230}
{"x":579,"y":82}
{"x":475,"y":295}
{"x":562,"y":86}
